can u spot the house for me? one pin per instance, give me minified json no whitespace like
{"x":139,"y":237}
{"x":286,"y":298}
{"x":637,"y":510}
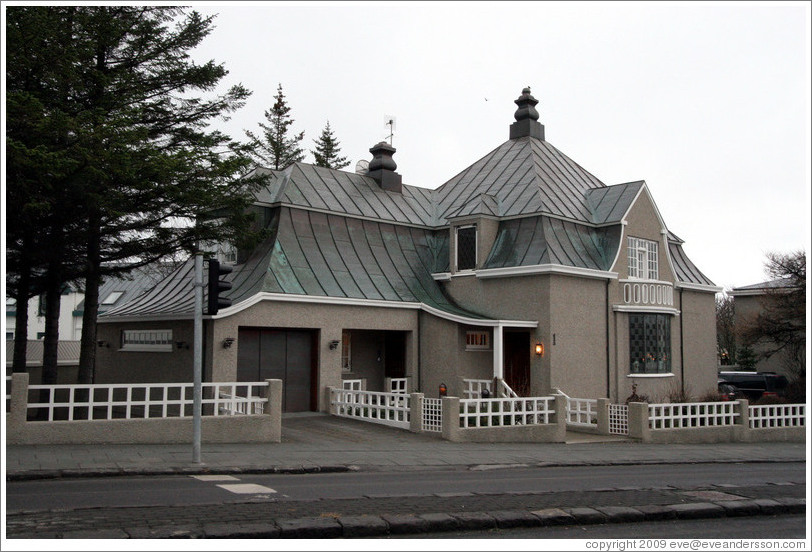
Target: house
{"x":524,"y":267}
{"x":113,"y":292}
{"x":749,"y":302}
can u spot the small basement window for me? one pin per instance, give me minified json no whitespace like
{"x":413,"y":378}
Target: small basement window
{"x":466,"y":247}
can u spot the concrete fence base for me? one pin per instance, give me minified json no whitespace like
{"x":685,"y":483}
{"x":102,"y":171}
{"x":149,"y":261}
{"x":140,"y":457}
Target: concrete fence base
{"x":261,"y":428}
{"x":554,"y":432}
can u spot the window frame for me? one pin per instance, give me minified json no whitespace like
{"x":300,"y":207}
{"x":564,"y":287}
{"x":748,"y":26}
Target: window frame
{"x":457,"y":247}
{"x":660,"y":359}
{"x":138,"y":341}
{"x":643,"y":259}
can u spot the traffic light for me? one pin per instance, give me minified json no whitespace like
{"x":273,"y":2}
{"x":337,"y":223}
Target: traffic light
{"x":216,"y":286}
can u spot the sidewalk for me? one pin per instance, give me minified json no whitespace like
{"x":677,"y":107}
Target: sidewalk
{"x":318,"y":442}
{"x":314,"y":442}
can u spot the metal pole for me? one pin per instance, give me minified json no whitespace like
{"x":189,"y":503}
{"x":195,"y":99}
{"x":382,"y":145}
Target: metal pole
{"x":198,"y":357}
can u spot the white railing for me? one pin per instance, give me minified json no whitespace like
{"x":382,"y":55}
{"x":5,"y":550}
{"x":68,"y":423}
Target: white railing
{"x":473,"y":387}
{"x":352,"y":384}
{"x":582,"y":412}
{"x":618,"y":419}
{"x":144,"y":400}
{"x":505,"y":390}
{"x":399,"y":385}
{"x":777,"y":415}
{"x":506,"y":412}
{"x":683,"y":415}
{"x":371,"y":406}
{"x":432,"y":415}
{"x":235,"y":404}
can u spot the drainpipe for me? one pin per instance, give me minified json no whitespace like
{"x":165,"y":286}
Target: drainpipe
{"x":681,"y":343}
{"x":419,"y":354}
{"x":608,"y":364}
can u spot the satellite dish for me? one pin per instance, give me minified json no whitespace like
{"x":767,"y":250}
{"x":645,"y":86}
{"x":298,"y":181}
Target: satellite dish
{"x":362,"y":167}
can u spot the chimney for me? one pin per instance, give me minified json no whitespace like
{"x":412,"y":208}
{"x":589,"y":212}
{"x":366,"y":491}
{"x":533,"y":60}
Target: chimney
{"x":382,"y":168}
{"x":527,"y":118}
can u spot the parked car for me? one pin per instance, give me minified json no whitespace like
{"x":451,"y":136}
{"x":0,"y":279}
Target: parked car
{"x":728,"y":391}
{"x":754,"y":385}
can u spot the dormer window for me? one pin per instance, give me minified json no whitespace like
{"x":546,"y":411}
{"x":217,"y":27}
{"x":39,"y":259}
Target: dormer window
{"x":466,"y":247}
{"x":643,"y":261}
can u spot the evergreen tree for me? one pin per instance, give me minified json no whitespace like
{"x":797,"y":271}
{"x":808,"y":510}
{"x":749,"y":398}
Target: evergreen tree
{"x":274,"y":148}
{"x":121,"y":168}
{"x":327,"y":150}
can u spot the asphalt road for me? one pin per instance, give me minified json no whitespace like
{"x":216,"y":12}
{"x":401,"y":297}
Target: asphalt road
{"x":213,"y":489}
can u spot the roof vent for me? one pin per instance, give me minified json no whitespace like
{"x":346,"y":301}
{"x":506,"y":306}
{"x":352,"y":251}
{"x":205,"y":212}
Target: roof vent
{"x":382,"y":168}
{"x":526,"y":116}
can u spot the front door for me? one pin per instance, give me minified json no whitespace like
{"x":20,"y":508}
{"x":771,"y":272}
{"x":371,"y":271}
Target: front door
{"x":517,"y":362}
{"x":286,"y":355}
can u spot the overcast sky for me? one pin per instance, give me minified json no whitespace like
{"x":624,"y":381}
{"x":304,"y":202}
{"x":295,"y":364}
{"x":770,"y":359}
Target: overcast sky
{"x":709,"y":103}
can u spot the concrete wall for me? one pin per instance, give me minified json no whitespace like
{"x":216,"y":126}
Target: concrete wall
{"x":699,"y":344}
{"x":266,"y":428}
{"x":116,"y":366}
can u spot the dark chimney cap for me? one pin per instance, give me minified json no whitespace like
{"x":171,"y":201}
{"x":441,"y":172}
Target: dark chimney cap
{"x":382,"y":168}
{"x":526,"y":117}
{"x":382,"y":157}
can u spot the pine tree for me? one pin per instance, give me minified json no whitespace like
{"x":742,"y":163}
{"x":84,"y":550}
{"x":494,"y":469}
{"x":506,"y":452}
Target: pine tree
{"x":111,"y":159}
{"x":327,"y":150}
{"x":274,"y":148}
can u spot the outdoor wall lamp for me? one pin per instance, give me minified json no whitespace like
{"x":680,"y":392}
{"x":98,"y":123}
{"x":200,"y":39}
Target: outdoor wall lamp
{"x":228,"y":342}
{"x":443,"y":390}
{"x":539,"y":348}
{"x":182,"y":344}
{"x":334,"y":344}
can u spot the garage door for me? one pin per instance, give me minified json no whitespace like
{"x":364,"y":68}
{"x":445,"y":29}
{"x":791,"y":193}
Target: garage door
{"x":280,"y":354}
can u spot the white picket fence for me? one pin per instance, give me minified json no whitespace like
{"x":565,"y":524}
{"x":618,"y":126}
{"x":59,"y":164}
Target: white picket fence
{"x":685,"y":415}
{"x":391,"y":409}
{"x":152,"y":400}
{"x":506,"y":412}
{"x":582,"y":412}
{"x":777,"y":415}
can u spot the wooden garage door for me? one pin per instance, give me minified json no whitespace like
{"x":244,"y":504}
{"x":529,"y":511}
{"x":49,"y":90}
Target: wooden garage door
{"x":280,"y":354}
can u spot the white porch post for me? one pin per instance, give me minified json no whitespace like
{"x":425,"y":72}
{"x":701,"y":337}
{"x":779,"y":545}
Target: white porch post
{"x":498,"y":357}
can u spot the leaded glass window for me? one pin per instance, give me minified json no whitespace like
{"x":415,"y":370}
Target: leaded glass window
{"x":466,"y":247}
{"x":650,"y":343}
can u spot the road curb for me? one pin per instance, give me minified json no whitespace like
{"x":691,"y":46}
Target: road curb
{"x":203,"y":469}
{"x":404,"y":524}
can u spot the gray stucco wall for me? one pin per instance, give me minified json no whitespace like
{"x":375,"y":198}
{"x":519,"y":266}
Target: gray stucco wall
{"x":116,"y":366}
{"x":699,"y":346}
{"x":329,"y":320}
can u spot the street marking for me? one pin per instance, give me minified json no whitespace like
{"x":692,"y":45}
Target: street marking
{"x":215,"y":478}
{"x":247,"y":488}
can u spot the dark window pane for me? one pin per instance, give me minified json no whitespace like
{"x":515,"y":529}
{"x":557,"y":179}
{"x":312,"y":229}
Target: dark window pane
{"x":466,"y":248}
